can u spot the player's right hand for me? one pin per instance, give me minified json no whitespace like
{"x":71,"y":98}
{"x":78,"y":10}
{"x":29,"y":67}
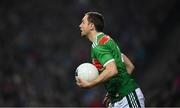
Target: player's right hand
{"x":82,"y":83}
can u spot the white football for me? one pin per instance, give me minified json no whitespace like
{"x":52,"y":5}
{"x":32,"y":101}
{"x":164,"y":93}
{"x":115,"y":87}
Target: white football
{"x":87,"y":71}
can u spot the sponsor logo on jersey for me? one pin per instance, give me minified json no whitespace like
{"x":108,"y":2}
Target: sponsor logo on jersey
{"x":98,"y":65}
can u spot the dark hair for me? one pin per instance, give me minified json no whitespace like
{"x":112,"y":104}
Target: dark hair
{"x":97,"y":19}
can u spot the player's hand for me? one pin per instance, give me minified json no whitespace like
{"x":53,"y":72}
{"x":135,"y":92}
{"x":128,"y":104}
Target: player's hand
{"x":106,"y":101}
{"x":82,"y":83}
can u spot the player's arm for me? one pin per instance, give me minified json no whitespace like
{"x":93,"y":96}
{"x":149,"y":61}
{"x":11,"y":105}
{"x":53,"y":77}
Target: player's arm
{"x":129,"y":65}
{"x":110,"y":71}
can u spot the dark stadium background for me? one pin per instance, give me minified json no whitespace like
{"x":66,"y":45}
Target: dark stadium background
{"x":40,"y":48}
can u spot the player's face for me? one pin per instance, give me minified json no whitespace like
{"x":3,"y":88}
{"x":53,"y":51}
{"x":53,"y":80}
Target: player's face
{"x":85,"y":26}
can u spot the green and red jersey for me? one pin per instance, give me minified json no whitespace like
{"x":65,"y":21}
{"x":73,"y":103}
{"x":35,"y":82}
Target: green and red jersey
{"x":104,"y":50}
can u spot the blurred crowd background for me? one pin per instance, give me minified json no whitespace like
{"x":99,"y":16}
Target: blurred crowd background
{"x":40,"y":48}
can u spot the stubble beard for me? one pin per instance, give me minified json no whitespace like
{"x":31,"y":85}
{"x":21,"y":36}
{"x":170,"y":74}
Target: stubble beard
{"x":83,"y":34}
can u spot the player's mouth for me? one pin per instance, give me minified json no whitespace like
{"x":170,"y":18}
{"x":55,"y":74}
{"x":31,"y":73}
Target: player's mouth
{"x":81,"y":31}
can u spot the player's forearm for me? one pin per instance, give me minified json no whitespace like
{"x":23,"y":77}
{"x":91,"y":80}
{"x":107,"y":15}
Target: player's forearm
{"x":130,"y":68}
{"x":129,"y":65}
{"x":104,"y":76}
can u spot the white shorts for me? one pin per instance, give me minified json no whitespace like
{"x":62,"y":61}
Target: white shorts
{"x":134,"y":100}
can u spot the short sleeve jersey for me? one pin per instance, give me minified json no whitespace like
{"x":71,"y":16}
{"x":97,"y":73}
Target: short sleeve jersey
{"x":105,"y":50}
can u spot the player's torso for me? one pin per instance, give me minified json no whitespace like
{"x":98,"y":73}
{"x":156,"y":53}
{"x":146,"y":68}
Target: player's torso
{"x":103,"y":45}
{"x":121,"y":83}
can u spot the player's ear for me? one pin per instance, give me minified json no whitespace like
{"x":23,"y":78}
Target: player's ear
{"x":92,"y":26}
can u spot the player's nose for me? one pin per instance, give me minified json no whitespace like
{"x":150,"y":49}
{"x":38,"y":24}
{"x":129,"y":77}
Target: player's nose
{"x":80,"y":25}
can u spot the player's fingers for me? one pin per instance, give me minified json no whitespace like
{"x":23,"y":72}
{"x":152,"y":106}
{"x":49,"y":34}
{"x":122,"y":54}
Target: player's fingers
{"x":104,"y":100}
{"x":78,"y":83}
{"x":80,"y":80}
{"x":107,"y":102}
{"x":77,"y":79}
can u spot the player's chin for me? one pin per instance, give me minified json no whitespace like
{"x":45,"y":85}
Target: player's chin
{"x":82,"y":34}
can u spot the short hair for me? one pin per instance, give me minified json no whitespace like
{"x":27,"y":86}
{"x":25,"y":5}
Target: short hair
{"x":97,"y":19}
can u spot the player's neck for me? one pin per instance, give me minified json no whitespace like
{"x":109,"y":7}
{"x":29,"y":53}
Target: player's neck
{"x":92,"y":36}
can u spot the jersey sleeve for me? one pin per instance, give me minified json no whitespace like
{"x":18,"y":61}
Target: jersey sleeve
{"x":103,"y":54}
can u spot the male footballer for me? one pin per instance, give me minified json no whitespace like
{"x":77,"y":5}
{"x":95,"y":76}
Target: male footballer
{"x":114,"y":67}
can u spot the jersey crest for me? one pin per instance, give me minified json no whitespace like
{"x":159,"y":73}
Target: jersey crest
{"x":104,"y":39}
{"x":96,"y":63}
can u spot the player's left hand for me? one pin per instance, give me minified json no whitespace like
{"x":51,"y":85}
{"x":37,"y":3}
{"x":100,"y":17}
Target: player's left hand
{"x":82,"y":83}
{"x":106,"y":101}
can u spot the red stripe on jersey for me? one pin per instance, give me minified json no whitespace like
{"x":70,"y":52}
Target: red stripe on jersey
{"x":97,"y":64}
{"x":104,"y":40}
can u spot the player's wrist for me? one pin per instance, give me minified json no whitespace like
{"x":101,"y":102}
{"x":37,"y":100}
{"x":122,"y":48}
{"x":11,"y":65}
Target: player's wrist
{"x":94,"y":83}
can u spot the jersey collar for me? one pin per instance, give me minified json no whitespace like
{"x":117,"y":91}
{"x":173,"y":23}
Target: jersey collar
{"x":98,"y":37}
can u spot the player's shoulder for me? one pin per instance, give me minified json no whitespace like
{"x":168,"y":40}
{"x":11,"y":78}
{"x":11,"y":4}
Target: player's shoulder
{"x":103,"y":40}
